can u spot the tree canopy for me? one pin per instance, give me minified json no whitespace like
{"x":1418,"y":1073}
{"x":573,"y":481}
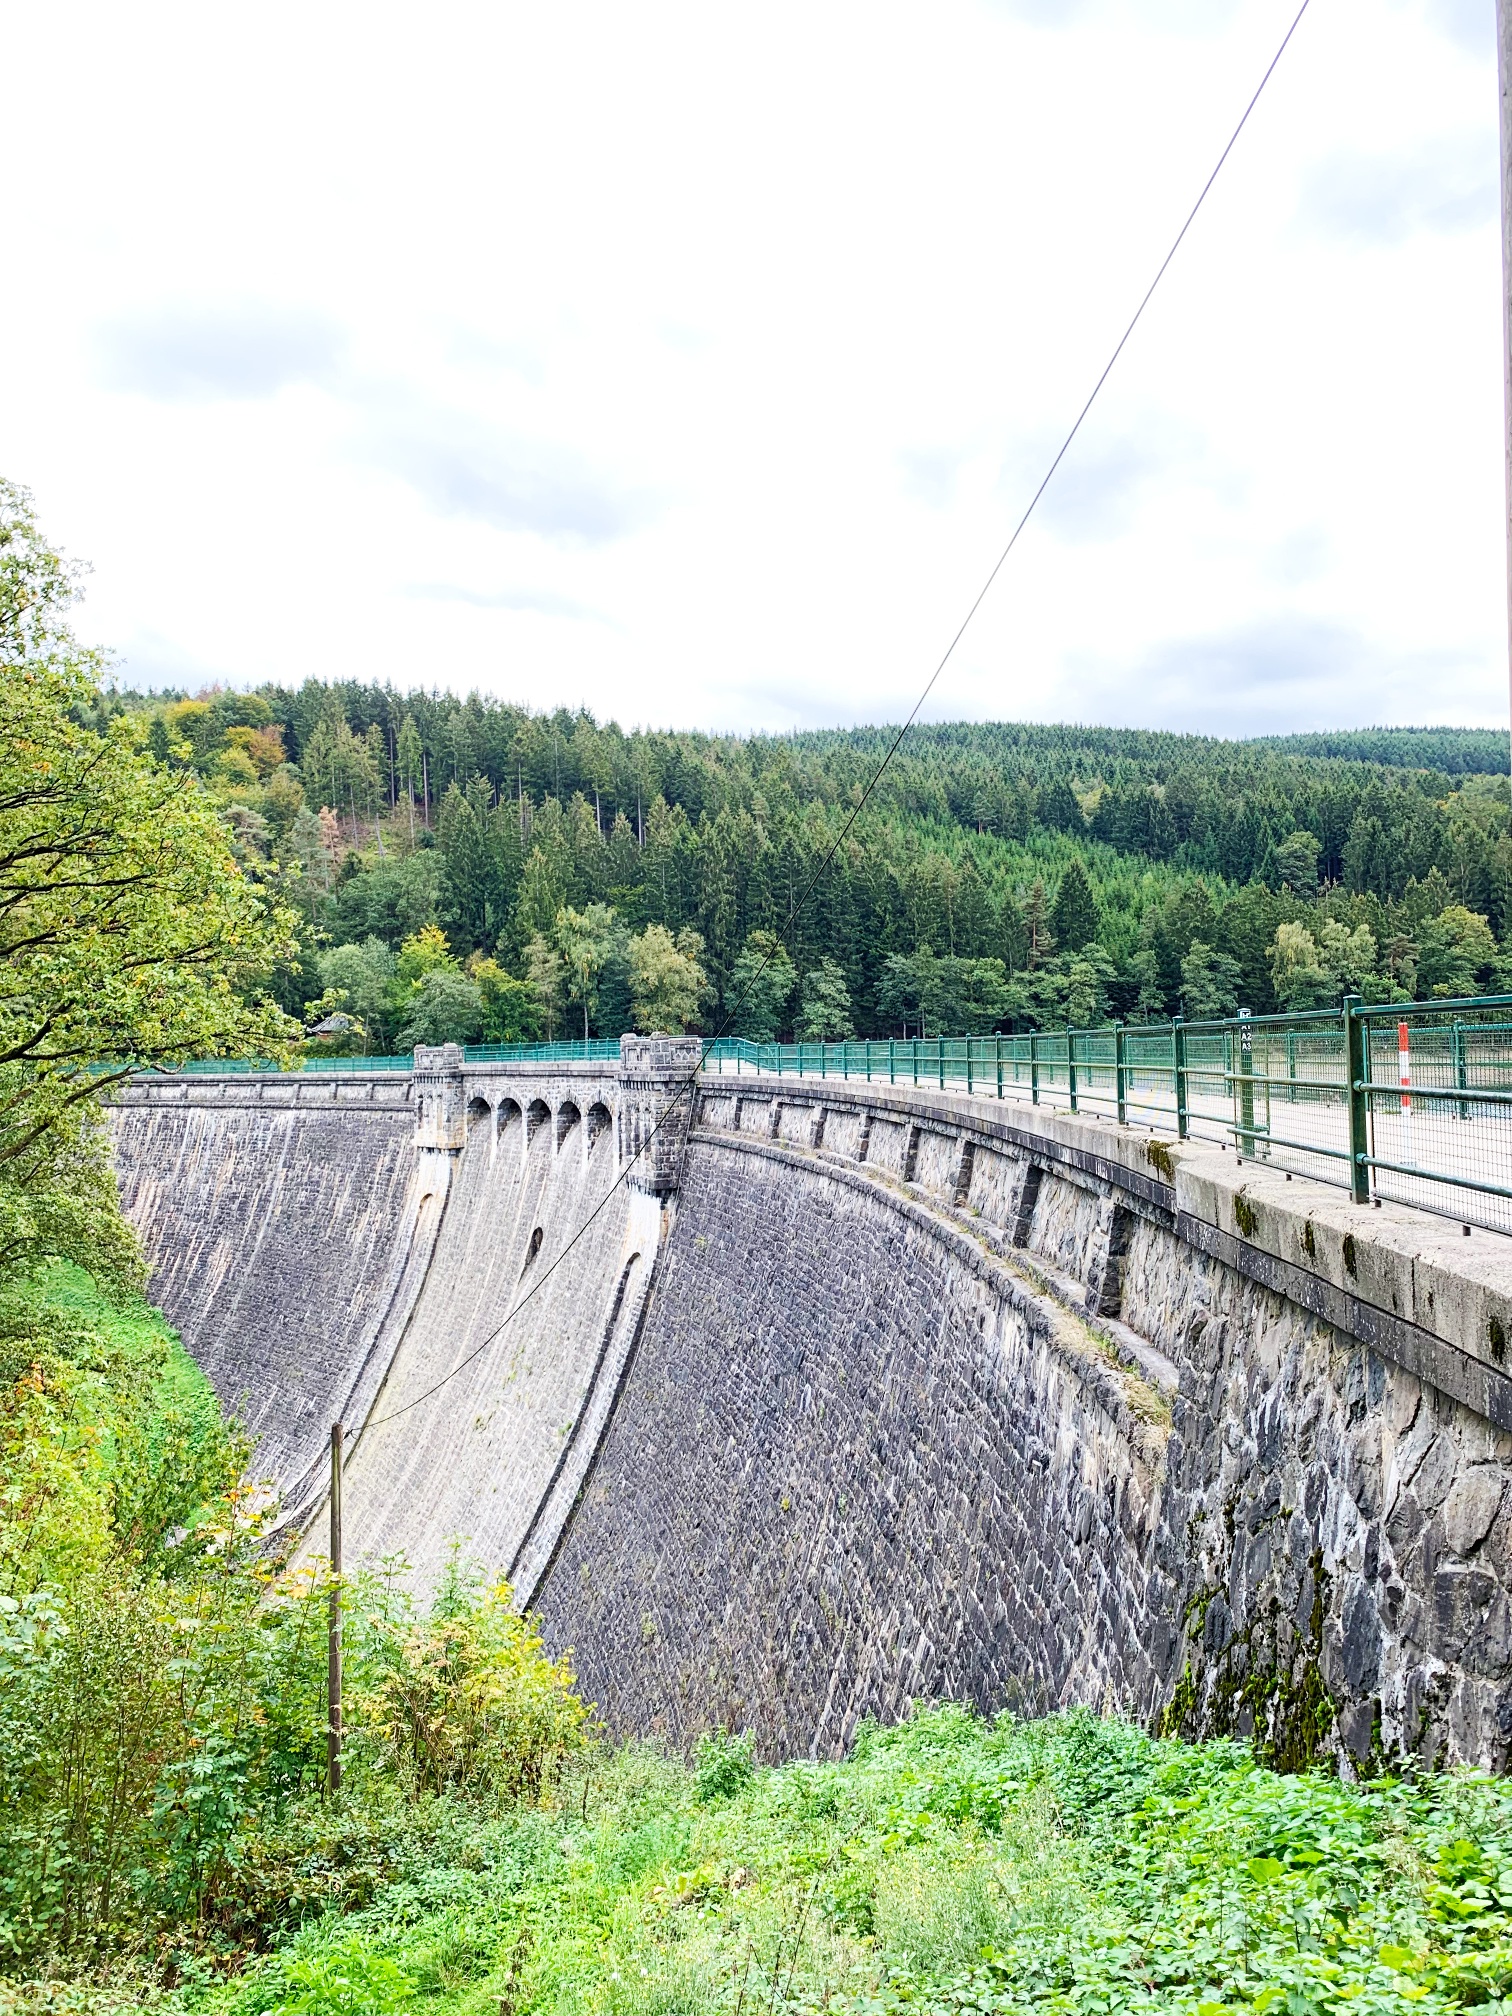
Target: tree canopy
{"x":129,"y":933}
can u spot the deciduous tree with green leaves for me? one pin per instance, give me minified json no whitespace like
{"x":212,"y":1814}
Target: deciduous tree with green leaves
{"x":825,"y":1016}
{"x":667,"y":983}
{"x":586,"y":941}
{"x":761,"y":986}
{"x":1209,"y":984}
{"x":129,"y":934}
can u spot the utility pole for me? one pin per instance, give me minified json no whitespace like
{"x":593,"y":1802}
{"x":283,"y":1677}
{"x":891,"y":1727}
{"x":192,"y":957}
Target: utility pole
{"x":333,"y":1629}
{"x":1504,"y":78}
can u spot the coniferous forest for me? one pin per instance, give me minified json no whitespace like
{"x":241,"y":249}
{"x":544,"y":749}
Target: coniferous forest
{"x":470,"y":870}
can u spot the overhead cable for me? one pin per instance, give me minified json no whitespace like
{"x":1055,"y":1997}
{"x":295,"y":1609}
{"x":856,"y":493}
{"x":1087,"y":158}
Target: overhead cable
{"x":798,"y":904}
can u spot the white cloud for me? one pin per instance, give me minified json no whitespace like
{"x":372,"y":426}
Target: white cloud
{"x":215,"y":350}
{"x":535,"y":601}
{"x":1448,"y":185}
{"x":696,"y":364}
{"x":464,"y":469}
{"x":1467,"y":22}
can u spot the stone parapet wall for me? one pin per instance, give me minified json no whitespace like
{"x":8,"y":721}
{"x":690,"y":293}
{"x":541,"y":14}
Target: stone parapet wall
{"x":1412,"y":1285}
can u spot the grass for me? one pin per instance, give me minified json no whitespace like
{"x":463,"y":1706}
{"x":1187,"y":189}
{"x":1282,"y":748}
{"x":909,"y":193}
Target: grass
{"x":141,"y":1337}
{"x":1068,"y":1865}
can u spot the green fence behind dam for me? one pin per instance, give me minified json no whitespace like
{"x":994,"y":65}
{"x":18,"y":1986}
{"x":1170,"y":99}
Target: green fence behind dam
{"x":1410,"y":1101}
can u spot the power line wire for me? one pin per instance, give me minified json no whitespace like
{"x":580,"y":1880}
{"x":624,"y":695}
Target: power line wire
{"x":796,"y":908}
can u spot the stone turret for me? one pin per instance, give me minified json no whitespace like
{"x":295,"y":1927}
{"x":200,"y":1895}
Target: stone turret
{"x":440,"y":1107}
{"x":656,"y":1107}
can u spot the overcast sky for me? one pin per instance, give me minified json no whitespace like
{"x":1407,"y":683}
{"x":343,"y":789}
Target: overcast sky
{"x":694,"y":363}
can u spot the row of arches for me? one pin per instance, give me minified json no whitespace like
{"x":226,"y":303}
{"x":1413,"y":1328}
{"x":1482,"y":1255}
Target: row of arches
{"x":507,"y":1121}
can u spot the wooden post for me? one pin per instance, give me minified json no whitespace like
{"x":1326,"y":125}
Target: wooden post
{"x":333,"y":1639}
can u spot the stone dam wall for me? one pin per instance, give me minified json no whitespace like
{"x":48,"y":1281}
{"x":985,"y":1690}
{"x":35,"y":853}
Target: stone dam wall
{"x":286,"y":1242}
{"x":864,"y":1394}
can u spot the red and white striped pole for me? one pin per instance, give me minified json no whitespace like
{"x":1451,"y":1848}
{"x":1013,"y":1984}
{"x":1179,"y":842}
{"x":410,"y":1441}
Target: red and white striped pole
{"x":1404,"y":1068}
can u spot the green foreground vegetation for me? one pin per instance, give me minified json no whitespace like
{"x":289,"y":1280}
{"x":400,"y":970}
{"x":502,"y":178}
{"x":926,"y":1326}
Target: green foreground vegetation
{"x":166,"y":1838}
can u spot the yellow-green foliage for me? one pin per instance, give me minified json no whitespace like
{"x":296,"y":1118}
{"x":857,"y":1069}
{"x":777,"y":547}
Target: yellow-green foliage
{"x":162,"y":1678}
{"x":466,"y":1697}
{"x":110,"y":1438}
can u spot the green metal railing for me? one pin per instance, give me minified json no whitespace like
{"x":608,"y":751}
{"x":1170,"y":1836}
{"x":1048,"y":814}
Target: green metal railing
{"x":220,"y":1067}
{"x":600,"y":1050}
{"x":1410,"y":1101}
{"x":1406,"y":1101}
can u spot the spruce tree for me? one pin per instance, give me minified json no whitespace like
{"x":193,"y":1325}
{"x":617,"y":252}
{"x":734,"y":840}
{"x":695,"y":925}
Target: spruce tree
{"x":464,"y":871}
{"x":1060,"y":809}
{"x":1039,"y":938}
{"x":1073,"y":915}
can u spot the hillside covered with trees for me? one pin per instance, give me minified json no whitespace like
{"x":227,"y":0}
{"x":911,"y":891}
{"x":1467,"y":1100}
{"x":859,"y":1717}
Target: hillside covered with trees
{"x":470,"y":869}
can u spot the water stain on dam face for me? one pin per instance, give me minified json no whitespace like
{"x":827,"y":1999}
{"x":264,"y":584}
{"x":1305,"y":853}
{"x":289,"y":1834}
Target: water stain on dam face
{"x":322,"y":1267}
{"x":855,"y":1394}
{"x":476,"y":1460}
{"x":281,"y":1245}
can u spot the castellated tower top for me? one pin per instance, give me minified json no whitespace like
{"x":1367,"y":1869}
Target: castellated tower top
{"x":656,"y":1107}
{"x":440,"y":1108}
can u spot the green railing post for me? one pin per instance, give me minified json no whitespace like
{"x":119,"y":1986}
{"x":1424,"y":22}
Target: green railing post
{"x":1246,"y":1084}
{"x":940,"y":1058}
{"x":1071,"y":1067}
{"x":1291,"y":1067}
{"x":1461,"y":1076}
{"x":823,"y":1060}
{"x":1034,"y":1067}
{"x":969,"y":1086}
{"x":916,"y":1060}
{"x":1357,"y":1065}
{"x":1119,"y":1074}
{"x":999,"y":1042}
{"x":892,"y":1062}
{"x":1179,"y":1071}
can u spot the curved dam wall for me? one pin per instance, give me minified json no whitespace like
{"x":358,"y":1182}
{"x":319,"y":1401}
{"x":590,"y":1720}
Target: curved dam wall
{"x":856,"y":1394}
{"x":938,"y":1396}
{"x":287,"y":1227}
{"x":857,"y":1463}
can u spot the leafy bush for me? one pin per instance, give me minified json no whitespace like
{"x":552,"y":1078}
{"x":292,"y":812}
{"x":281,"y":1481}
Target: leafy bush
{"x":347,"y":1979}
{"x":726,"y":1765}
{"x":162,"y":1682}
{"x":467,"y":1697}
